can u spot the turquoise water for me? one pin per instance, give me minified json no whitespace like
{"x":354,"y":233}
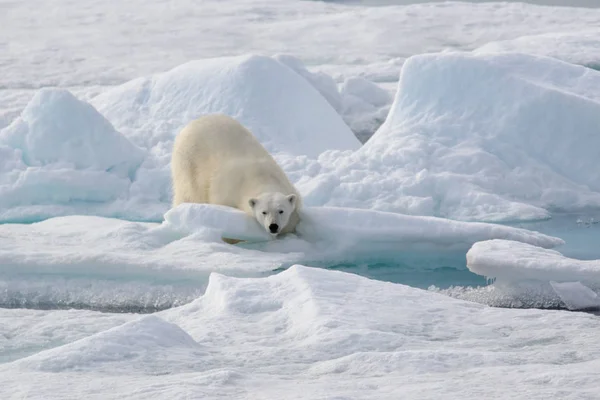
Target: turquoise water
{"x":581,"y":233}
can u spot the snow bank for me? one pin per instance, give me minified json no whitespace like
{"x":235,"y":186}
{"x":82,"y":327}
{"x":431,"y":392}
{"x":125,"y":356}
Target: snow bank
{"x":577,"y":47}
{"x":320,"y":329}
{"x":56,"y":127}
{"x":476,"y":137}
{"x":61,"y":151}
{"x":283,"y":110}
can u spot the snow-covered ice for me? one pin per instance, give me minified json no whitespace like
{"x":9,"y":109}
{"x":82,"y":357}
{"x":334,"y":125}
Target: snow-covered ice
{"x":574,"y":46}
{"x":510,"y":260}
{"x":452,"y":149}
{"x":311,"y":333}
{"x":189,"y":242}
{"x":280,"y":107}
{"x":446,"y":148}
{"x":405,"y":128}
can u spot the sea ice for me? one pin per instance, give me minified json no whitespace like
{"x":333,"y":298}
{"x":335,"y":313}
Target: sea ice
{"x":494,"y":137}
{"x":516,"y":261}
{"x":574,"y":46}
{"x":542,"y":274}
{"x":320,"y":330}
{"x":280,"y":107}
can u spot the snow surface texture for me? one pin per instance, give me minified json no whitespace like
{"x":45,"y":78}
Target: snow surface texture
{"x":447,"y":148}
{"x":311,"y":333}
{"x":517,"y":264}
{"x":61,"y":151}
{"x":469,"y":155}
{"x":281,"y":109}
{"x":94,"y":166}
{"x":511,"y":260}
{"x":578,"y":47}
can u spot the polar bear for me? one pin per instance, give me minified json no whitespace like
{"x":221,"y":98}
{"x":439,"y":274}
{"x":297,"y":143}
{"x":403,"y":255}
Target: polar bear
{"x":216,"y":160}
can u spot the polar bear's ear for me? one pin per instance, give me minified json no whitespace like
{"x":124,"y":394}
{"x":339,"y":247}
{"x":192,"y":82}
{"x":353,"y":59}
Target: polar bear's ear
{"x":252,"y":203}
{"x":292,"y":199}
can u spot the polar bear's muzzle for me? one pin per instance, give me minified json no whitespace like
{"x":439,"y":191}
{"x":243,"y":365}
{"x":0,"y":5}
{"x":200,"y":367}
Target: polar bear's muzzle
{"x":274,"y":228}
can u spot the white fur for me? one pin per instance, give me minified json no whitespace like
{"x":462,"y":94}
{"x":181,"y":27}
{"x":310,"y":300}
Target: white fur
{"x":216,"y":160}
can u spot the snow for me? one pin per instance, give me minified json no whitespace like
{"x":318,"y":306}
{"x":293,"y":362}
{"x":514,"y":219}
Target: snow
{"x":61,"y":151}
{"x":402,"y":132}
{"x":445,"y":149}
{"x":280,"y":107}
{"x":506,"y":259}
{"x":309,"y":333}
{"x":453,"y":150}
{"x":527,"y":269}
{"x":140,"y":342}
{"x":189,"y":241}
{"x":577,"y":47}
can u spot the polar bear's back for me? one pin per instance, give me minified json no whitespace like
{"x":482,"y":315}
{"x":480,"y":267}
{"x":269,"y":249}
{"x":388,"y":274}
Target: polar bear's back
{"x":217,"y":160}
{"x":217,"y":135}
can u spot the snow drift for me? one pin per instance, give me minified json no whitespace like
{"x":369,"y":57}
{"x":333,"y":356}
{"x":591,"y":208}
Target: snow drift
{"x":61,"y":152}
{"x":477,"y":137}
{"x":283,"y":110}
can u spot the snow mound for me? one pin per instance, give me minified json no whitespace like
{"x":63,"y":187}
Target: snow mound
{"x":476,"y":137}
{"x":577,"y":47}
{"x":366,"y":91}
{"x":283,"y":110}
{"x":139,"y":343}
{"x":57,"y":128}
{"x":62,"y":154}
{"x":515,"y":261}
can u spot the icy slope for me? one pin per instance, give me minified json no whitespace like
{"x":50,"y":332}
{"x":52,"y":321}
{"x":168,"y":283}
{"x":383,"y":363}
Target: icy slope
{"x":477,"y":137}
{"x":250,"y":338}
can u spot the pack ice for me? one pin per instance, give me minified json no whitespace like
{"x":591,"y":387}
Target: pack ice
{"x":470,"y":138}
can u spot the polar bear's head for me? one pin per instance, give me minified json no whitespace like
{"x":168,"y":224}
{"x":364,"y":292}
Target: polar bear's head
{"x":273,"y":210}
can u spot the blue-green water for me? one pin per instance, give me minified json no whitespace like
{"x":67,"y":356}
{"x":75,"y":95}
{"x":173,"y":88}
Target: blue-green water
{"x":581,"y":233}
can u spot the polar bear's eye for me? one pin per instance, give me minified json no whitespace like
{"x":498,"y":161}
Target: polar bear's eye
{"x":264,"y":213}
{"x":280,"y":211}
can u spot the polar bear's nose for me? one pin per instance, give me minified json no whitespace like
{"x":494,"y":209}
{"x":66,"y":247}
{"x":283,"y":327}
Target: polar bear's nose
{"x":273,"y":228}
